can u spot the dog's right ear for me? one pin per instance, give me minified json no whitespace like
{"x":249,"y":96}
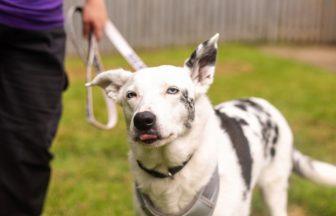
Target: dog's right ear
{"x":111,"y":81}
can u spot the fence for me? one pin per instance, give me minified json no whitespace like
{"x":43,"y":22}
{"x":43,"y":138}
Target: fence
{"x":158,"y":23}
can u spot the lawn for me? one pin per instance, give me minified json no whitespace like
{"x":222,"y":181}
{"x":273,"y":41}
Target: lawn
{"x":90,"y":169}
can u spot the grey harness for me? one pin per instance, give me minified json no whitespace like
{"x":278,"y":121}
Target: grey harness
{"x":203,"y":203}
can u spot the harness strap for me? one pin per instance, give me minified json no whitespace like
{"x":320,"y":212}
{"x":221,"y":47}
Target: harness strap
{"x":203,"y":204}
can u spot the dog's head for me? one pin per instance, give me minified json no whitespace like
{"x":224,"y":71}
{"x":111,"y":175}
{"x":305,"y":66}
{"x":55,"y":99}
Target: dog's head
{"x":159,"y":102}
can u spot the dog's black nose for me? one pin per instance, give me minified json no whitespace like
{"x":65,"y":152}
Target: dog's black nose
{"x":144,"y":120}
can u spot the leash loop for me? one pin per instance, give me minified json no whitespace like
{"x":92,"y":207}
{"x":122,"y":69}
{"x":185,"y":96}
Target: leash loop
{"x":92,"y":61}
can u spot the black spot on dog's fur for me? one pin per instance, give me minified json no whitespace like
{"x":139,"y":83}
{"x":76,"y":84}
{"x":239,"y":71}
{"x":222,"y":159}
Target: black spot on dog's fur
{"x":276,"y":134}
{"x":270,"y":135}
{"x":242,"y":122}
{"x":190,"y":107}
{"x":272,"y":152}
{"x":268,"y":124}
{"x":241,"y":106}
{"x":265,"y":132}
{"x":275,"y":129}
{"x":269,"y":130}
{"x":240,"y":145}
{"x":251,"y":103}
{"x":255,"y":105}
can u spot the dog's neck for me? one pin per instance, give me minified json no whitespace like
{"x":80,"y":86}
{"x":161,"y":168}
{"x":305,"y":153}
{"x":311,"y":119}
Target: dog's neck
{"x":172,"y":195}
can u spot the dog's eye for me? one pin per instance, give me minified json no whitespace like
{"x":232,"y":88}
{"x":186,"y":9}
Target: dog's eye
{"x":172,"y":90}
{"x":130,"y":94}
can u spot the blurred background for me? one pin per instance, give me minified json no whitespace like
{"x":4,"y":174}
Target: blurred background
{"x":159,"y":23}
{"x":281,"y":50}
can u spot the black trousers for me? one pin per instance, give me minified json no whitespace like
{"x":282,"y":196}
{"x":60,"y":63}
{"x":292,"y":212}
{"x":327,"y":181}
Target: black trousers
{"x":32,"y":79}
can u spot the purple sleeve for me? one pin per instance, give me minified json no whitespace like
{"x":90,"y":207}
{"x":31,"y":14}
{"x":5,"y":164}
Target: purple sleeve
{"x":32,"y":14}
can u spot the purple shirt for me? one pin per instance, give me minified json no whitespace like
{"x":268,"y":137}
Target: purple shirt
{"x":32,"y":14}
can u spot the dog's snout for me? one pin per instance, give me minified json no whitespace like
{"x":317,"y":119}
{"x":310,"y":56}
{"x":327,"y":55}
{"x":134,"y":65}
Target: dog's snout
{"x":144,"y":120}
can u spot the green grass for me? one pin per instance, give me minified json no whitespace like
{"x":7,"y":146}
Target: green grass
{"x":90,"y":170}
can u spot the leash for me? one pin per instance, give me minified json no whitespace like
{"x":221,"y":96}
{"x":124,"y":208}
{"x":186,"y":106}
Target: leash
{"x":93,"y":62}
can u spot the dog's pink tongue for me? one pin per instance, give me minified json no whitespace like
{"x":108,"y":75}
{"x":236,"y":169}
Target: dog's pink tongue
{"x":144,"y":137}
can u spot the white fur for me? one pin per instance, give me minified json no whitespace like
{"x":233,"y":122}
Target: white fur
{"x":205,"y":140}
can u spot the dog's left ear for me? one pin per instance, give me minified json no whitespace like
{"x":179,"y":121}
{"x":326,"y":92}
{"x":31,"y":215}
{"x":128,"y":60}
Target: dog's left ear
{"x":202,"y":64}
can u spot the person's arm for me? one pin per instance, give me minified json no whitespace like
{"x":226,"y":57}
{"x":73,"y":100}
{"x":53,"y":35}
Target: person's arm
{"x":94,"y":18}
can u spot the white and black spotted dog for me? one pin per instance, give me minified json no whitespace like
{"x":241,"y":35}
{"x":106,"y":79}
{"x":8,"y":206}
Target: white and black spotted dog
{"x":189,"y":158}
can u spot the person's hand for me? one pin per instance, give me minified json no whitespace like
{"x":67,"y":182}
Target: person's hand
{"x":94,"y":18}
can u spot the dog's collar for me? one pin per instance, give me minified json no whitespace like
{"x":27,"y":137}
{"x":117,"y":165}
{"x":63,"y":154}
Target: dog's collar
{"x":171,"y":170}
{"x":204,"y":202}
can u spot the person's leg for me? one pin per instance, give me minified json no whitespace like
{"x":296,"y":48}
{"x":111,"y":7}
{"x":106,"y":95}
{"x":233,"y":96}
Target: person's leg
{"x":32,"y":79}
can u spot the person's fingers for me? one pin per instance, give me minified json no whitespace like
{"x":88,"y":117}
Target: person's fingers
{"x":97,"y":27}
{"x":86,"y":23}
{"x":98,"y":30}
{"x":99,"y":34}
{"x":86,"y":29}
{"x":93,"y":22}
{"x":94,"y":27}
